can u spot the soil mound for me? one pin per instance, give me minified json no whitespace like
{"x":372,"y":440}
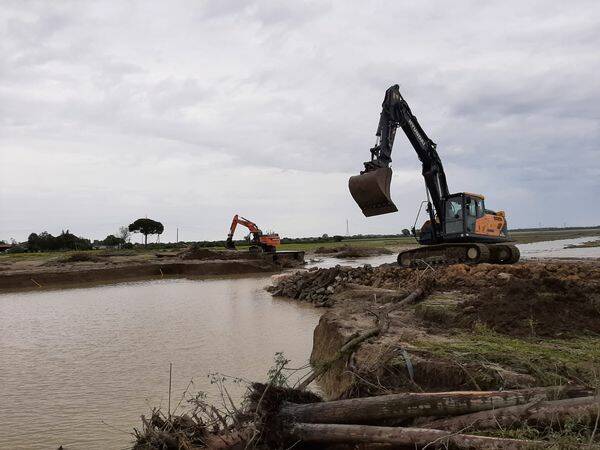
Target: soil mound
{"x":203,"y":253}
{"x":348,"y":251}
{"x":548,"y":307}
{"x":74,"y":257}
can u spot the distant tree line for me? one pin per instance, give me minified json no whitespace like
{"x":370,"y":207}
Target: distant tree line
{"x":45,"y":242}
{"x":68,"y":241}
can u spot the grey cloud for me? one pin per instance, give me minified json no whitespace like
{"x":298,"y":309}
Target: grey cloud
{"x":508,"y":91}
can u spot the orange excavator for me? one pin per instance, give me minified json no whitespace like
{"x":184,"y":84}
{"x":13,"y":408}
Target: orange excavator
{"x":259,"y":242}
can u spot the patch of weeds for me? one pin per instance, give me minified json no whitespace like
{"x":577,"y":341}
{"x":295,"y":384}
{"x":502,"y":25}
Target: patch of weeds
{"x":571,"y":434}
{"x":275,"y":375}
{"x":549,"y":361}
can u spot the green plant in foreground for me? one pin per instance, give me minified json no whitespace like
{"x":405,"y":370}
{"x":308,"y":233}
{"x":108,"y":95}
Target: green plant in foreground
{"x":275,"y":375}
{"x":549,"y":361}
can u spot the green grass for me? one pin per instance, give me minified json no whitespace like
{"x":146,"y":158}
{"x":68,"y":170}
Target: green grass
{"x":42,"y":256}
{"x":387,"y":242}
{"x":550,"y":361}
{"x":571,"y":434}
{"x":587,"y":244}
{"x":527,"y":237}
{"x":521,"y":237}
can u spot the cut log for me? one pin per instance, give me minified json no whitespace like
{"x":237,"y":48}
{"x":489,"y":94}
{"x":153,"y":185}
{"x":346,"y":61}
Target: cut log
{"x":409,"y":405}
{"x":544,"y":412}
{"x":366,"y":434}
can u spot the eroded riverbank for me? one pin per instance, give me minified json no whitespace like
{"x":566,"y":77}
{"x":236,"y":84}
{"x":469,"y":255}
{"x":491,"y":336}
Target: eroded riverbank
{"x":546,"y":311}
{"x":81,"y":269}
{"x":459,"y":328}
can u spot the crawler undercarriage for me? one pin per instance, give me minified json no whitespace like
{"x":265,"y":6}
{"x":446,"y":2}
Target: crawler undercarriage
{"x":467,"y":253}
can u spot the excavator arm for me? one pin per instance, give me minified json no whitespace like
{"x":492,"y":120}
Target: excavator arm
{"x":252,"y":227}
{"x":370,"y":189}
{"x":267,"y":242}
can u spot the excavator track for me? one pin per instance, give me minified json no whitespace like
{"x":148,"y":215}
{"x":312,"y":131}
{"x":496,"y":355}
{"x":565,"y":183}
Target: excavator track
{"x":467,"y":253}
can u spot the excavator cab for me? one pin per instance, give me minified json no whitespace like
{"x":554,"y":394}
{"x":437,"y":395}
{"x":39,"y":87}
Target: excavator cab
{"x":371,"y":191}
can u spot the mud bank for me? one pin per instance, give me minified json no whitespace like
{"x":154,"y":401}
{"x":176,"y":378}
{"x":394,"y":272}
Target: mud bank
{"x":479,"y":327}
{"x":348,"y":251}
{"x":79,"y":269}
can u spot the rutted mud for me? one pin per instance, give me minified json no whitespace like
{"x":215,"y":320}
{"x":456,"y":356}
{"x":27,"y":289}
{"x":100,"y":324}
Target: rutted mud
{"x":348,"y":251}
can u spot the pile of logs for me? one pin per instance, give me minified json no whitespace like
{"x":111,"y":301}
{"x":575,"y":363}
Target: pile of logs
{"x":366,"y":420}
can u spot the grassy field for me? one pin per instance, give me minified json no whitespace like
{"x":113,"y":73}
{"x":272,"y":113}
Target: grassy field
{"x":389,"y":242}
{"x":44,"y":256}
{"x":527,"y":237}
{"x":521,"y":237}
{"x":588,"y":244}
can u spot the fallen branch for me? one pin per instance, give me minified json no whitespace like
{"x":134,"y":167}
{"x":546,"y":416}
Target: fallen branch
{"x":355,"y":434}
{"x":541,"y":412}
{"x":410,"y":405}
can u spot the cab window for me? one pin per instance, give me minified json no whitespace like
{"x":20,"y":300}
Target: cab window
{"x":454,"y":208}
{"x":480,"y":208}
{"x":471,"y":207}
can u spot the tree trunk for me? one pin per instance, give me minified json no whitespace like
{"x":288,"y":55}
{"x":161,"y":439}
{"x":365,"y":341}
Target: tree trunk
{"x":366,"y":434}
{"x":409,"y":405}
{"x":145,"y":240}
{"x":544,"y":412}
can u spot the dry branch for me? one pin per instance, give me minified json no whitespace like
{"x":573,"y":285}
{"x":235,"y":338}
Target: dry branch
{"x":330,"y":434}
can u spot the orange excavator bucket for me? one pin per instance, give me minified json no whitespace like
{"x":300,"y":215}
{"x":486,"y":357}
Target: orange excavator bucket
{"x":371,"y":191}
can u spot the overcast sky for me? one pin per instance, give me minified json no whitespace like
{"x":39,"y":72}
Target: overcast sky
{"x":190,"y":112}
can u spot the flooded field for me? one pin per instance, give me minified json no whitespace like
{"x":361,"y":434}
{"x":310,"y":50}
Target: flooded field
{"x":79,"y":365}
{"x":558,"y":249}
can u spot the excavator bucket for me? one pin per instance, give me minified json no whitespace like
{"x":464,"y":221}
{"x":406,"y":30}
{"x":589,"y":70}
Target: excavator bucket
{"x":371,"y":191}
{"x":229,"y":245}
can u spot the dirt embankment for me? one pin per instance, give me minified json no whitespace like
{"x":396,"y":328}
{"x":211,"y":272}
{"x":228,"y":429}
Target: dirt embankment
{"x":348,"y":251}
{"x":478,"y":327}
{"x":87,"y":267}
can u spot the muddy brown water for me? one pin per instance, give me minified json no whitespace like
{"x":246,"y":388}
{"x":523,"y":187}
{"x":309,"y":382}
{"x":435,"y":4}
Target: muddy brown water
{"x":78,"y":365}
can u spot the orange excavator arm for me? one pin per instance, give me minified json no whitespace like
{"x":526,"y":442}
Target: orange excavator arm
{"x":266,"y":241}
{"x":242,"y":221}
